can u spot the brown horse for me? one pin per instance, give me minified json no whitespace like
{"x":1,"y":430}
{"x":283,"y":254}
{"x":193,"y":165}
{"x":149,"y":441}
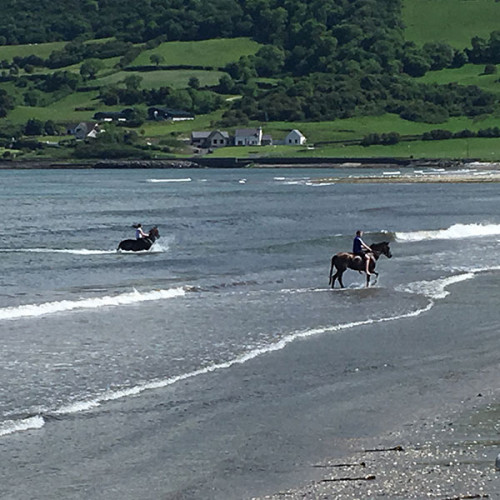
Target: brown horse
{"x":347,"y":260}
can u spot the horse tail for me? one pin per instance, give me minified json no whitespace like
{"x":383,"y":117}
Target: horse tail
{"x":334,"y":258}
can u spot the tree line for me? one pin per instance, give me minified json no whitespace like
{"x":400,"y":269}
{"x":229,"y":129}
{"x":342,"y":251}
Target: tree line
{"x":329,"y":59}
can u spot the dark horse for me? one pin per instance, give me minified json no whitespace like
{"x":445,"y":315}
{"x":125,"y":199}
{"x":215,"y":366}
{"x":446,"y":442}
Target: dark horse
{"x":142,"y":243}
{"x":347,"y":260}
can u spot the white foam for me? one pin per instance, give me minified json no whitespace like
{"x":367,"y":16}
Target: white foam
{"x":435,"y":289}
{"x":25,"y":424}
{"x":185,"y":179}
{"x":74,"y":251}
{"x":35,"y":310}
{"x":320,"y":184}
{"x":455,"y":232}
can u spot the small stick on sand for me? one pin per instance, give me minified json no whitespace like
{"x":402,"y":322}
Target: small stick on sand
{"x":466,"y":497}
{"x":361,"y":464}
{"x":396,"y":448}
{"x":371,"y":477}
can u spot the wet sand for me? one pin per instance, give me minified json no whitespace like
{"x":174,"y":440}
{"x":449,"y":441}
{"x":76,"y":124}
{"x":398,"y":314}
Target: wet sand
{"x":447,"y":458}
{"x":448,"y":450}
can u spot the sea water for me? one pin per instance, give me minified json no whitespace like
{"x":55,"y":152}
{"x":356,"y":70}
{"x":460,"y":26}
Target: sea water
{"x":241,"y":269}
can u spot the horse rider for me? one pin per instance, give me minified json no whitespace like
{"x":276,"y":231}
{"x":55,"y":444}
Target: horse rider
{"x":139,"y":233}
{"x":359,"y":247}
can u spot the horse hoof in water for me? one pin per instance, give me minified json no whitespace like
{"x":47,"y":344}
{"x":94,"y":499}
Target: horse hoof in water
{"x":347,"y":260}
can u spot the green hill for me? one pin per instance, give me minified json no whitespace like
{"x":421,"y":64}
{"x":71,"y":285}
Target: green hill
{"x":375,"y":75}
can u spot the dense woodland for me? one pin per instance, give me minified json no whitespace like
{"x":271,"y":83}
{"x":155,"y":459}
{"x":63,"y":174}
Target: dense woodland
{"x":328,"y":59}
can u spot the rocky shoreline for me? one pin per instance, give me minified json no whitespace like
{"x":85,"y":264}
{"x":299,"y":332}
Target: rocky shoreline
{"x":209,"y":162}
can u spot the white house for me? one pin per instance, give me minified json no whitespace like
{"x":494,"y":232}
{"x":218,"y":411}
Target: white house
{"x":248,"y":137}
{"x":295,"y":137}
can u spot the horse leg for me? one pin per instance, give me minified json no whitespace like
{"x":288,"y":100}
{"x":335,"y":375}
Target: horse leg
{"x":340,"y":278}
{"x":337,"y":276}
{"x":332,"y":281}
{"x":367,"y":280}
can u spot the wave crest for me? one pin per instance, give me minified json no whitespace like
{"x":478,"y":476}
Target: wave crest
{"x":455,"y":232}
{"x":35,"y":310}
{"x":25,"y":424}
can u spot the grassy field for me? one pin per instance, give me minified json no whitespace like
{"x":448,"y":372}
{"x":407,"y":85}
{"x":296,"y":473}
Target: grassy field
{"x":327,"y":131}
{"x":452,"y":21}
{"x":162,"y":78}
{"x":42,"y":50}
{"x":182,"y":128}
{"x":215,"y":53}
{"x":63,"y":111}
{"x":470,"y":74}
{"x":482,"y":149}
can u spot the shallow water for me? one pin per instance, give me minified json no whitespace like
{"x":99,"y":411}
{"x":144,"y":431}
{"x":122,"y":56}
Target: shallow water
{"x":241,"y":269}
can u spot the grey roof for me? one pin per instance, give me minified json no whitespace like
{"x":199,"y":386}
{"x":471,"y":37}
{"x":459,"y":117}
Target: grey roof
{"x":246,"y":131}
{"x":200,"y":135}
{"x":221,"y":132}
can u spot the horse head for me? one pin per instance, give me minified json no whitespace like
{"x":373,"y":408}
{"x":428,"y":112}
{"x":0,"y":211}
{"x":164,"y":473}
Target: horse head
{"x":154,"y":234}
{"x":382,"y":248}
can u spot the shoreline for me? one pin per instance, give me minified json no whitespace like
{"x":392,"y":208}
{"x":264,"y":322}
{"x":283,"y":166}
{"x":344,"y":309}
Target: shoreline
{"x":299,"y":417}
{"x":416,"y":178}
{"x":267,"y":162}
{"x":448,"y":457}
{"x":458,"y":172}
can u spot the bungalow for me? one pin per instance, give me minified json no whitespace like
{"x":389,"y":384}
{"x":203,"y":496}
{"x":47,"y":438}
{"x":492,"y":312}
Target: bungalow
{"x":161,"y":113}
{"x":248,"y":137}
{"x":214,"y":139}
{"x":295,"y":137}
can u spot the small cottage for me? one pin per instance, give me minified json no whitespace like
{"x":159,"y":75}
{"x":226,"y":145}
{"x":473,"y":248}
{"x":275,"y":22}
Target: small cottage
{"x":214,"y":139}
{"x":295,"y":137}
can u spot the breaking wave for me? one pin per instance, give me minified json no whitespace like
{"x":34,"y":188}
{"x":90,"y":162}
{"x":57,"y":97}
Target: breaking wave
{"x":186,"y":179}
{"x":25,"y":424}
{"x":434,"y":289}
{"x":135,"y":297}
{"x":455,"y":232}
